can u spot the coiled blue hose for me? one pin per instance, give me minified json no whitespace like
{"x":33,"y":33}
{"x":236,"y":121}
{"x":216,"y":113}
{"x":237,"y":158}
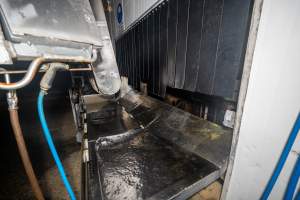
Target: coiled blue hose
{"x":282,"y":159}
{"x":48,"y":137}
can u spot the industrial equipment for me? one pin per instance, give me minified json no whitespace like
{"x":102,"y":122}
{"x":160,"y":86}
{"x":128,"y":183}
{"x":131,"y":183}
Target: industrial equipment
{"x":159,"y":129}
{"x":133,"y":146}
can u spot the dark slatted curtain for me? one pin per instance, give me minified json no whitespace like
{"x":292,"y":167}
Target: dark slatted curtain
{"x":195,"y":45}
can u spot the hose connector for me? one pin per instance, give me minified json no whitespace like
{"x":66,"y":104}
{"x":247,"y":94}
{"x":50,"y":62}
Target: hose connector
{"x":11,"y":95}
{"x":47,"y":80}
{"x":12,"y":100}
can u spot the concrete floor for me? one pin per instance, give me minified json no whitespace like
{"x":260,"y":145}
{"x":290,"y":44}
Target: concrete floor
{"x":13,"y":181}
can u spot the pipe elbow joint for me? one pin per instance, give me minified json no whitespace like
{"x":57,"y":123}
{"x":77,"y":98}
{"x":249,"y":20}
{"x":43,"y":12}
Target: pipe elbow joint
{"x":47,"y":80}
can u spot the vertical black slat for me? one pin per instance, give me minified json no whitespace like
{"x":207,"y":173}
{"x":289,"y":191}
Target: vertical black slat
{"x":193,"y":43}
{"x":119,"y":59}
{"x":126,"y":54}
{"x":182,"y":30}
{"x":130,"y":57}
{"x":163,"y":50}
{"x":128,"y":34}
{"x":117,"y":51}
{"x":151,"y":54}
{"x":147,"y":49}
{"x":208,"y":50}
{"x":152,"y":70}
{"x":134,"y":57}
{"x":118,"y":55}
{"x":142,"y":61}
{"x":156,"y":52}
{"x":140,"y":50}
{"x":122,"y":56}
{"x":172,"y":40}
{"x":232,"y":42}
{"x":138,"y":55}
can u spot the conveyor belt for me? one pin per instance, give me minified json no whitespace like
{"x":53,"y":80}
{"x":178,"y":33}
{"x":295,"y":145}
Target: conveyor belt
{"x":173,"y":157}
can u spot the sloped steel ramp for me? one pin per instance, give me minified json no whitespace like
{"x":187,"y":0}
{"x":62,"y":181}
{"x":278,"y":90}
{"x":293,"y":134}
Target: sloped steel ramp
{"x":142,"y":148}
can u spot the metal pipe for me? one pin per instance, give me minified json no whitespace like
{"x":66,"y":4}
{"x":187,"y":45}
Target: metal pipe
{"x":14,"y":119}
{"x":34,"y":66}
{"x":12,"y":101}
{"x":81,"y":69}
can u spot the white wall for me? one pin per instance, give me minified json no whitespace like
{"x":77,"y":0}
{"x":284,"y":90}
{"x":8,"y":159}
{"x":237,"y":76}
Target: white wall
{"x":272,"y":103}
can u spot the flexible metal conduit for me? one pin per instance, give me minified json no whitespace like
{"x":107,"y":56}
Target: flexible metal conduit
{"x":12,"y":101}
{"x":14,"y":119}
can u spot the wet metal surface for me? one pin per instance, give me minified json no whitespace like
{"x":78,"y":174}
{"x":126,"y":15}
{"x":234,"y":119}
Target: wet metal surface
{"x":163,"y":160}
{"x":201,"y":137}
{"x":145,"y":166}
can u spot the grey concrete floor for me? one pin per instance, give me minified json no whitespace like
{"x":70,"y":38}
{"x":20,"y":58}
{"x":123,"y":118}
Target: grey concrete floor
{"x":13,"y":181}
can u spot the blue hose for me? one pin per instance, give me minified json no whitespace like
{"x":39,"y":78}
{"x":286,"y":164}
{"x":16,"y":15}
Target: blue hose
{"x":48,"y":137}
{"x":297,"y":197}
{"x":282,"y":159}
{"x":289,"y":193}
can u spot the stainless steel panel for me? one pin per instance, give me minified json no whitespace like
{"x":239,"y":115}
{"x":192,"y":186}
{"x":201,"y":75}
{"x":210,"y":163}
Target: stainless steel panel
{"x":201,"y":137}
{"x":5,"y":57}
{"x":155,"y":163}
{"x":70,"y":20}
